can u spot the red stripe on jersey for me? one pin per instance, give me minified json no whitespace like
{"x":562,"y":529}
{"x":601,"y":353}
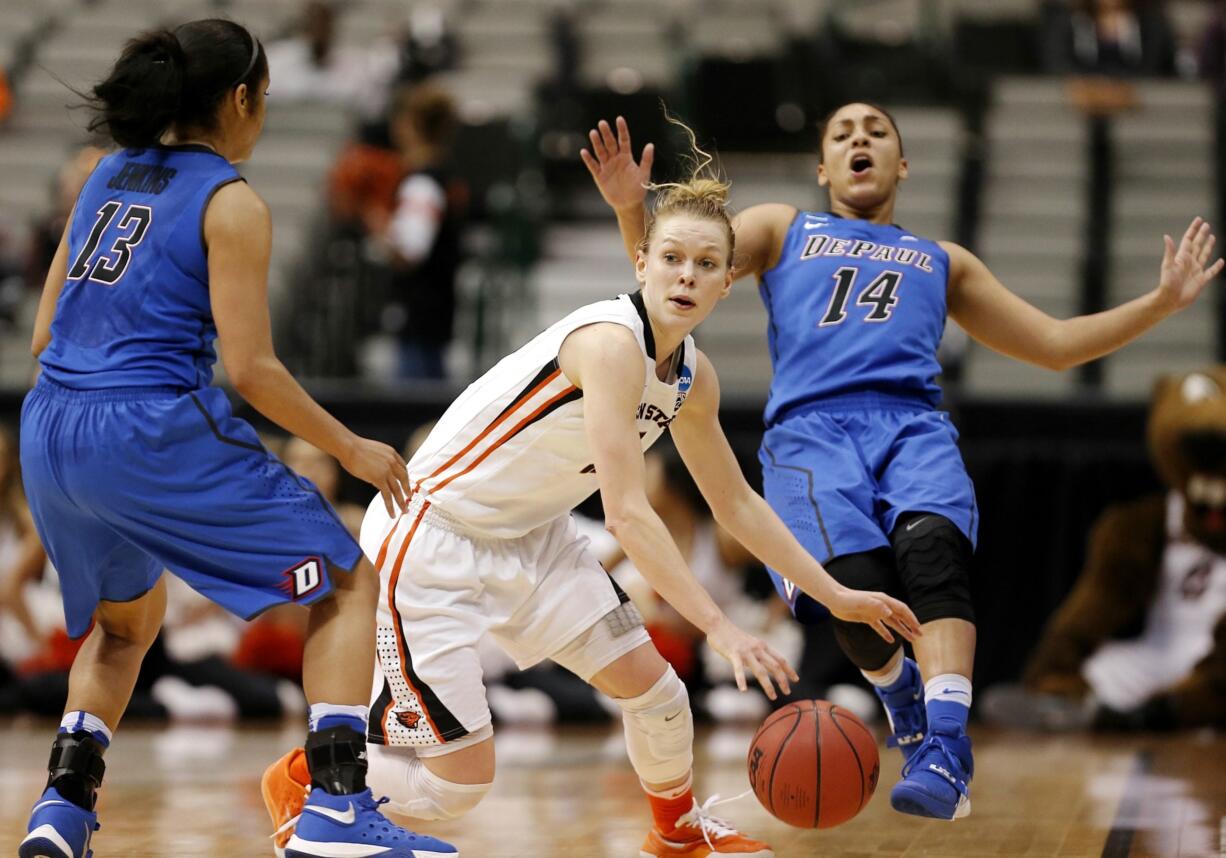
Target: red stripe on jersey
{"x":488,"y":429}
{"x":518,"y":426}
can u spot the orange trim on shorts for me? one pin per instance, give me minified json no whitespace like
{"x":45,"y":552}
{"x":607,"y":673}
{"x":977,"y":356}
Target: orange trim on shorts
{"x":401,"y":647}
{"x":520,"y":425}
{"x":488,"y":429}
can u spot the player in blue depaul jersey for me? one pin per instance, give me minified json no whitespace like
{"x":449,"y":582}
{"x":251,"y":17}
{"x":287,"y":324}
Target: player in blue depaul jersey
{"x":133,"y":463}
{"x":856,"y":458}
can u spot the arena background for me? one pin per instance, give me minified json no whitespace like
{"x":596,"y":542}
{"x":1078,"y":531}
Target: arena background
{"x":1066,"y":202}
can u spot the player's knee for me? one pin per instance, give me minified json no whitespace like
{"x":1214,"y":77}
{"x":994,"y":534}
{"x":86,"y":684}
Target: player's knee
{"x":660,"y":730}
{"x":934,"y":559}
{"x":413,"y":790}
{"x":865,"y":570}
{"x":865,"y":648}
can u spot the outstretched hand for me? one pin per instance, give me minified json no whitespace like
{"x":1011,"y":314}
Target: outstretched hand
{"x":1184,"y":274}
{"x":621,"y":181}
{"x":877,"y":610}
{"x":382,"y":467}
{"x":749,"y":655}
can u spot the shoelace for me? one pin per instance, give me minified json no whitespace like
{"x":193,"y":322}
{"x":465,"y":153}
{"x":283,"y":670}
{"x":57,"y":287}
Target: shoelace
{"x":290,"y":823}
{"x":700,"y":817}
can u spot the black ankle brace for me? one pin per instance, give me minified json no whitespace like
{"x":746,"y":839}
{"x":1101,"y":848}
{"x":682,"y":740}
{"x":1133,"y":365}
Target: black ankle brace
{"x":336,"y":758}
{"x":76,"y":768}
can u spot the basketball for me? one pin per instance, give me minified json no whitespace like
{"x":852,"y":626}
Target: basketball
{"x":813,"y":764}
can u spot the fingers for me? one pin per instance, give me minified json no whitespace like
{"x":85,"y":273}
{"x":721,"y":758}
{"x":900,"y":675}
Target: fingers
{"x":400,"y":486}
{"x":1190,"y":233}
{"x":1168,"y":251}
{"x":606,"y":137}
{"x":1215,"y":269}
{"x":738,"y":671}
{"x":763,"y":676}
{"x":623,"y":136}
{"x":1206,"y":251}
{"x":788,"y":671}
{"x":593,"y":166}
{"x":904,"y":620}
{"x":880,"y":628}
{"x":388,"y":502}
{"x":649,"y":157}
{"x":598,"y":147}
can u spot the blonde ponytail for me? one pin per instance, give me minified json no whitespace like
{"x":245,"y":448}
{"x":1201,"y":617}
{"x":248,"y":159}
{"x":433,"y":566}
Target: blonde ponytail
{"x":703,"y":195}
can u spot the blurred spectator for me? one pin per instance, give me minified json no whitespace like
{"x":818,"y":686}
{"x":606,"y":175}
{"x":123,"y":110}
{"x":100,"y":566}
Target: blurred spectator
{"x":310,"y":66}
{"x":21,"y":560}
{"x":1211,"y":62}
{"x":1113,"y":38}
{"x":6,"y":97}
{"x":420,"y":237}
{"x":46,"y":233}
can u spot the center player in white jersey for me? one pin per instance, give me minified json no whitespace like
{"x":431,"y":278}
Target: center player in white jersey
{"x":488,"y":545}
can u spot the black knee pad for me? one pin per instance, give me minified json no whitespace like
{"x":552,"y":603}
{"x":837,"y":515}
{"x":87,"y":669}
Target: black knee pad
{"x":868,"y":570}
{"x":934,"y":560}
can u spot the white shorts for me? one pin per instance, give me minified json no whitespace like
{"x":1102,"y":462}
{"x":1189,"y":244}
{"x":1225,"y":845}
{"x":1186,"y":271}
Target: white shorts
{"x":442,"y":588}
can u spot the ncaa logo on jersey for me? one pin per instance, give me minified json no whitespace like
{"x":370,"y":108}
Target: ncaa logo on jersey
{"x":303,"y":579}
{"x":685,"y":378}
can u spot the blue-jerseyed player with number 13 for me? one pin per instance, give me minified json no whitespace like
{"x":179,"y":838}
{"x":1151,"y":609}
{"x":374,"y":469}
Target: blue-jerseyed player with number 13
{"x":856,"y":458}
{"x":134,"y":464}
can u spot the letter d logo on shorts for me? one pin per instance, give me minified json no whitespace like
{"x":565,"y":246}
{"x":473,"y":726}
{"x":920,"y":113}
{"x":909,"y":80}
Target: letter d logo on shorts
{"x":303,"y":579}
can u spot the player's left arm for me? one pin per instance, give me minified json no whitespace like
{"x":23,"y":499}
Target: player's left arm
{"x":749,"y":518}
{"x":57,"y":274}
{"x":1004,"y":322}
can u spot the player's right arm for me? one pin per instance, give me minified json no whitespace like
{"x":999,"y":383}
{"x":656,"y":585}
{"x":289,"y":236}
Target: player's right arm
{"x":238,"y":236}
{"x":57,"y":274}
{"x":604,"y":361}
{"x":760,"y":230}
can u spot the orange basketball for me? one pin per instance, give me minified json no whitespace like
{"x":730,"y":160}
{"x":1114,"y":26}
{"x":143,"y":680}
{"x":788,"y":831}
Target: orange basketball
{"x":813,"y":764}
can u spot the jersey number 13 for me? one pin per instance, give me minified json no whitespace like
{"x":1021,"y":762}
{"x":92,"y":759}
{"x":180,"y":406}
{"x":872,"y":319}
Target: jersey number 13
{"x":109,"y":266}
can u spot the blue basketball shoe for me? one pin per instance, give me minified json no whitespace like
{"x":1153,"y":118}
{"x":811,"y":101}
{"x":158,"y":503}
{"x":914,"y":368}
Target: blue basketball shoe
{"x":58,"y":829}
{"x":904,"y":707}
{"x":936,"y":780}
{"x":344,"y":826}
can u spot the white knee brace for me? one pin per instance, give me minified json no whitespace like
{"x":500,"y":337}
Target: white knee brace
{"x":660,"y":730}
{"x":416,"y":791}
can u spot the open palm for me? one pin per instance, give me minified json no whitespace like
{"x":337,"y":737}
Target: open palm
{"x":621,"y":181}
{"x":1184,"y":274}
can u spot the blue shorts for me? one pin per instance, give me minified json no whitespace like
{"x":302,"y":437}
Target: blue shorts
{"x":126,"y":482}
{"x":841,"y":472}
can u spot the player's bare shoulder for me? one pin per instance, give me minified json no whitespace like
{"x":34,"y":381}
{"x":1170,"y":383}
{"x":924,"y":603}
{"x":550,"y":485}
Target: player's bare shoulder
{"x":602,"y":351}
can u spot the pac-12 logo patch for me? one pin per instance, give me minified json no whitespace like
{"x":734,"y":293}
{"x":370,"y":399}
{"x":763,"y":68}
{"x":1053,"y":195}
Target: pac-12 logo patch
{"x":685,"y":379}
{"x":303,"y":579}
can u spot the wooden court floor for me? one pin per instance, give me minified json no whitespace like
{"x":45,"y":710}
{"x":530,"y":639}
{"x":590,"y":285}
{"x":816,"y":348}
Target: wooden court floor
{"x":194,"y":791}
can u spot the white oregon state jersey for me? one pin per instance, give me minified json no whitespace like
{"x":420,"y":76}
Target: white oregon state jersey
{"x":511,"y":453}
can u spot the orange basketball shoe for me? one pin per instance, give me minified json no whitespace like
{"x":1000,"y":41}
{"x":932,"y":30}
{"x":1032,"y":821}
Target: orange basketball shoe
{"x":285,"y":786}
{"x":697,"y":834}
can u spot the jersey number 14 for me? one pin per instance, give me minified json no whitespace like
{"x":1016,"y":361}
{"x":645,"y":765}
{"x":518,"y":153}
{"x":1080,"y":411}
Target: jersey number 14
{"x":880,"y":295}
{"x":108,"y":267}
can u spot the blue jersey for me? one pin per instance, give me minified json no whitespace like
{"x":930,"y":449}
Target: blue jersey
{"x":134,"y":310}
{"x":855,"y":307}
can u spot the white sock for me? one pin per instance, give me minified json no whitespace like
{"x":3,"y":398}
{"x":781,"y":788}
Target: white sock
{"x":949,"y":687}
{"x":77,"y":720}
{"x":893,"y":674}
{"x":319,"y":711}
